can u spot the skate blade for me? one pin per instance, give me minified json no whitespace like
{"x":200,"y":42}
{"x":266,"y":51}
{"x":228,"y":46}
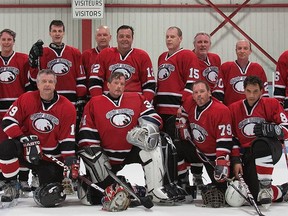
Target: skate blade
{"x":266,"y":206}
{"x":9,"y":204}
{"x":24,"y":194}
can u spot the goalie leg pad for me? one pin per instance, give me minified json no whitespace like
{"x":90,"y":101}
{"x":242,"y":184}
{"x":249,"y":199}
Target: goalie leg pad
{"x":94,"y":160}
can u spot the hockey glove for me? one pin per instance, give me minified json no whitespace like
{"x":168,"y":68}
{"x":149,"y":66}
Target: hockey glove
{"x":268,"y":130}
{"x":35,"y":52}
{"x":182,"y":128}
{"x":32,"y":148}
{"x":222,"y":168}
{"x":73,"y":163}
{"x":115,"y":199}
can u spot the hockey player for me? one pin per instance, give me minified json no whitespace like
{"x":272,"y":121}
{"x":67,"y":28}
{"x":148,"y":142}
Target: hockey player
{"x":259,"y":125}
{"x":120,"y":128}
{"x":102,"y":38}
{"x":280,"y":90}
{"x":14,"y":82}
{"x":39,"y":123}
{"x":178,"y":68}
{"x":210,"y":132}
{"x":209,"y":68}
{"x":232,"y":75}
{"x":65,"y":61}
{"x":134,"y":63}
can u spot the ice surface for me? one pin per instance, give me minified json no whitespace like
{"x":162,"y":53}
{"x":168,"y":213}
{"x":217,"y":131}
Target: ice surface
{"x":72,"y":206}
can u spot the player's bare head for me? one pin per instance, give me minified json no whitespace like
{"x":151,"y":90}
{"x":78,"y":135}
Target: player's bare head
{"x":244,"y":41}
{"x":47,"y":72}
{"x":253,"y":80}
{"x":10,"y":32}
{"x":207,"y":87}
{"x":58,"y":23}
{"x":201,"y":34}
{"x":179,"y":31}
{"x":106,"y":28}
{"x":126,"y":27}
{"x":115,"y":75}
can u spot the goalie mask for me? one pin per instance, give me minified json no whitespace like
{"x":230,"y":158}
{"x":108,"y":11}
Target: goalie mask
{"x":212,"y":196}
{"x":232,"y":197}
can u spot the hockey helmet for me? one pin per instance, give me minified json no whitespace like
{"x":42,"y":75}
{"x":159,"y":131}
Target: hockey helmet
{"x":232,"y":197}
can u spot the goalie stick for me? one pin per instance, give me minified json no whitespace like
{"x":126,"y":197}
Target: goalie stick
{"x":145,"y":201}
{"x":249,"y":199}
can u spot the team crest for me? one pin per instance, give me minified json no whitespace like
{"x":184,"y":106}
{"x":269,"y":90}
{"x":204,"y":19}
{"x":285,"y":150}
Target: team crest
{"x":164,"y":71}
{"x":211,"y":74}
{"x":120,"y":118}
{"x":8,"y":74}
{"x":60,"y":66}
{"x":43,"y":122}
{"x":127,"y":70}
{"x":247,"y":126}
{"x":199,"y":133}
{"x":238,"y":84}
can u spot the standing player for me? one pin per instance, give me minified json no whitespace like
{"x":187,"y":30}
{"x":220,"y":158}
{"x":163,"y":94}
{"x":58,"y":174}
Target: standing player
{"x":259,"y":125}
{"x":209,"y":68}
{"x":134,"y":63}
{"x":124,"y":127}
{"x":212,"y":134}
{"x":65,"y":61}
{"x":39,"y":123}
{"x":178,"y":68}
{"x":103,"y":38}
{"x":281,"y":80}
{"x":14,"y":82}
{"x":232,"y":75}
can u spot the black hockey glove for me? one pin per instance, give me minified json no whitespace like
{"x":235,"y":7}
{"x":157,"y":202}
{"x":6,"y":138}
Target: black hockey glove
{"x":32,"y":148}
{"x":268,"y":130}
{"x":35,"y":52}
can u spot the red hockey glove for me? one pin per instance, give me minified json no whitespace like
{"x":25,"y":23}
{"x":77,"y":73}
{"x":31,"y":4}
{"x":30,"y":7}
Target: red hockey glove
{"x":73,"y":163}
{"x":222,"y":168}
{"x":182,"y":128}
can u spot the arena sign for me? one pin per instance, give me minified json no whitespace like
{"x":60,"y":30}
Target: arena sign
{"x":87,"y":9}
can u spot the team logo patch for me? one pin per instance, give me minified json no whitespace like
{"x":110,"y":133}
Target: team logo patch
{"x":238,"y":84}
{"x":247,"y":126}
{"x":43,"y":122}
{"x":127,"y":70}
{"x":120,"y":118}
{"x":199,"y":133}
{"x":60,"y":66}
{"x":8,"y":74}
{"x":164,"y":71}
{"x":211,"y":74}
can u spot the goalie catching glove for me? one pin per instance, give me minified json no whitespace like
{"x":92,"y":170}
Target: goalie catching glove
{"x":268,"y":130}
{"x":35,"y":52}
{"x":116,"y":198}
{"x":145,"y":137}
{"x":32,"y":148}
{"x":222,"y":168}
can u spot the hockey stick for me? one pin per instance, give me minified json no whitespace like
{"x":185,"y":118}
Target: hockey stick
{"x":249,"y":199}
{"x":145,"y":201}
{"x":250,"y":196}
{"x":285,"y":146}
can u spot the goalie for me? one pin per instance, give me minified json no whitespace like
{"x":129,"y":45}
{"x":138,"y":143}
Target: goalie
{"x":120,"y":128}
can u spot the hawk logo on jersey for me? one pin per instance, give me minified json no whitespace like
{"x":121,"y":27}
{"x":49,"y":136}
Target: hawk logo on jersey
{"x":237,"y":84}
{"x":211,"y":74}
{"x":43,"y":122}
{"x":60,"y":66}
{"x":120,"y":118}
{"x":164,"y":71}
{"x":199,"y":133}
{"x":8,"y":74}
{"x":127,"y":70}
{"x":247,"y":126}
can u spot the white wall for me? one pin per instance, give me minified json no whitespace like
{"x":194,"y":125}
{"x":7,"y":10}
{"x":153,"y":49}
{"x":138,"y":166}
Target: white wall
{"x":267,"y":26}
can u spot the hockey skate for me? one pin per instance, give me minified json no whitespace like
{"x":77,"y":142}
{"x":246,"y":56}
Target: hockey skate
{"x":11,"y":194}
{"x":25,"y":189}
{"x":198,"y":181}
{"x":68,"y":186}
{"x":284,"y":190}
{"x":265,"y":193}
{"x":34,"y":182}
{"x":2,"y":183}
